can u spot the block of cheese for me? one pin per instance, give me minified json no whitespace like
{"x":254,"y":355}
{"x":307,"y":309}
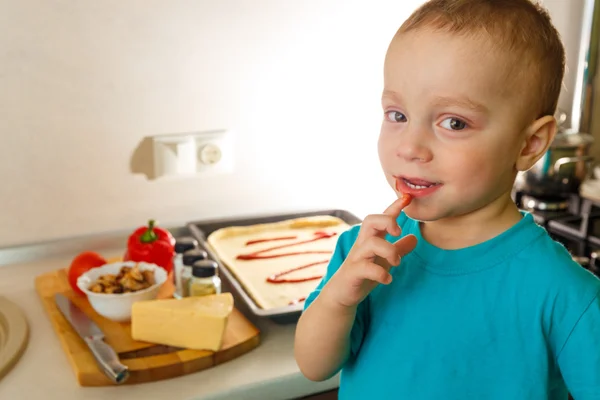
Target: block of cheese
{"x":193,"y":322}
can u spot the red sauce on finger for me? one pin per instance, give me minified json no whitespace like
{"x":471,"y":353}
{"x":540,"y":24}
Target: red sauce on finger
{"x":406,"y":199}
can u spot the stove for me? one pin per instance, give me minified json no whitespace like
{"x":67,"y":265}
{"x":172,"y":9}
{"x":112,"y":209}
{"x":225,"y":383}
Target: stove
{"x":571,"y":220}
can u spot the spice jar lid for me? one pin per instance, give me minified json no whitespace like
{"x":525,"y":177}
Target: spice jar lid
{"x":185,"y":243}
{"x":193,"y":255}
{"x":204,"y":268}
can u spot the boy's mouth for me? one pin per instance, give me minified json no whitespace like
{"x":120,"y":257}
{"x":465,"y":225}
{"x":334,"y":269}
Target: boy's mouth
{"x":416,"y":187}
{"x":415,"y":183}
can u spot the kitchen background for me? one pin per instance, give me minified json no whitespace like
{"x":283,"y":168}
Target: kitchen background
{"x":84,"y":85}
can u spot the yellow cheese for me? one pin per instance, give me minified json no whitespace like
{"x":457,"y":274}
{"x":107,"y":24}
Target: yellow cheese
{"x":192,"y":322}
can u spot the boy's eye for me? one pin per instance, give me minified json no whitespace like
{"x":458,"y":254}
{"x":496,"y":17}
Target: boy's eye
{"x":453,"y":124}
{"x":395,"y":116}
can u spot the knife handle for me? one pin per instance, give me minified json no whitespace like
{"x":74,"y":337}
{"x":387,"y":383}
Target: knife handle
{"x":108,"y":360}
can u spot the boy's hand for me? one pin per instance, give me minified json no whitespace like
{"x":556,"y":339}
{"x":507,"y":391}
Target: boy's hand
{"x":371,"y":257}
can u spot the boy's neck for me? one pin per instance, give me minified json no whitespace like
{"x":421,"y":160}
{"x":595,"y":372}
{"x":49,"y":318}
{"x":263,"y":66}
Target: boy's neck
{"x":474,"y":228}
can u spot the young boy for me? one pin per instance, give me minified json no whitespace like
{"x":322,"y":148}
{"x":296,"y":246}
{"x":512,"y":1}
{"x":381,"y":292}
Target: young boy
{"x":484,"y":305}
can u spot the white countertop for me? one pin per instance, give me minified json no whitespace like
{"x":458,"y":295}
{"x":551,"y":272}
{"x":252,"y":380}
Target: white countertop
{"x":43,"y":372}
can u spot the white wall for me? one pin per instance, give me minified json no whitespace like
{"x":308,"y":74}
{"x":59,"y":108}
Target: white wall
{"x":567,"y":16}
{"x":82,"y":83}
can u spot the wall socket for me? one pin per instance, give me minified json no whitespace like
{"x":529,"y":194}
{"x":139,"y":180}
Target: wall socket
{"x":193,"y":153}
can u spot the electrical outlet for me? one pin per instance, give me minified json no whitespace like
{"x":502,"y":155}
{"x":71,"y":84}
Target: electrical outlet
{"x":194,"y":153}
{"x":215,"y":152}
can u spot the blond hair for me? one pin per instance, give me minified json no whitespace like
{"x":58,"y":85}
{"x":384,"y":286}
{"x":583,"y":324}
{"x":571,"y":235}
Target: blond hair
{"x":521,"y":28}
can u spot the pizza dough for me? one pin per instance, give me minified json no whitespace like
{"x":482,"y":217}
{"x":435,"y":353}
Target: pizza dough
{"x":314,"y":238}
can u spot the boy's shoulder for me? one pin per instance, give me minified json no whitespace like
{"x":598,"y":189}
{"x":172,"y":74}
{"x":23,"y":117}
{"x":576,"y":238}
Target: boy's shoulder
{"x":551,"y":263}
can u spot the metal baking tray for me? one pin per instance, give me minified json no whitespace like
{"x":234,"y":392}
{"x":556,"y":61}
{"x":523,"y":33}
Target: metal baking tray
{"x":202,"y":229}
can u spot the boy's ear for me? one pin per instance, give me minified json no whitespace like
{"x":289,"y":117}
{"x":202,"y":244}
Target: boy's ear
{"x":538,"y":138}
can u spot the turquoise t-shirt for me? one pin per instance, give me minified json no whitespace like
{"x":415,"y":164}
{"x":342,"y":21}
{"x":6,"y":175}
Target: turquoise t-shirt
{"x":511,"y":318}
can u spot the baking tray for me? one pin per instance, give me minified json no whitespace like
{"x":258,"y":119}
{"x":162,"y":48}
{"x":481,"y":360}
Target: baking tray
{"x":202,"y":229}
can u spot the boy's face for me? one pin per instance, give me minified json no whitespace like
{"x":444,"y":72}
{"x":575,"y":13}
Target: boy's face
{"x":451,"y":129}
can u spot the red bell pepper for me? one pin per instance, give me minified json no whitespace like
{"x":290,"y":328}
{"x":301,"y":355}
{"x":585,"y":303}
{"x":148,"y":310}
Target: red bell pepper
{"x":151,"y":244}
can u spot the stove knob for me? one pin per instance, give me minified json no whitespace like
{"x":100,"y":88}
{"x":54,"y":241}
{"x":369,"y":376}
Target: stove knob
{"x":583,"y":261}
{"x":593,"y":266}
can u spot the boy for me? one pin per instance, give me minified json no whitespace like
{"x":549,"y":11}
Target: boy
{"x":485,"y":305}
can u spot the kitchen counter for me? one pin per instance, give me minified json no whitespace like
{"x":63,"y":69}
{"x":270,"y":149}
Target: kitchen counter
{"x":43,"y":372}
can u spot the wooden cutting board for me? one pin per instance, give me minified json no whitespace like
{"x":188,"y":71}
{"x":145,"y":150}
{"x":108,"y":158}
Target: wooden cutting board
{"x":147,"y":362}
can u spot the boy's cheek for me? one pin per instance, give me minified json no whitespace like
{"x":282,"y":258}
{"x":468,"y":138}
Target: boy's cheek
{"x":387,"y":156}
{"x":385,"y":147}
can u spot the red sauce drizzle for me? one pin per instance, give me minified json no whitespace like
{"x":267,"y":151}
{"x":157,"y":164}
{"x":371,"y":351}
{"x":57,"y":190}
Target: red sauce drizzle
{"x":257,"y":254}
{"x":276,"y":278}
{"x":249,"y":242}
{"x":300,"y":300}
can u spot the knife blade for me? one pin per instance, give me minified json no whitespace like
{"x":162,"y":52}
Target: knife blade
{"x":92,"y":335}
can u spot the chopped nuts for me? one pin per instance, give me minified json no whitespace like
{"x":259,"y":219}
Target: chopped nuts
{"x":126,"y":281}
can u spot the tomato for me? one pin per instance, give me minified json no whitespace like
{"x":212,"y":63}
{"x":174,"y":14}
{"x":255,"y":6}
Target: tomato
{"x":81,"y":264}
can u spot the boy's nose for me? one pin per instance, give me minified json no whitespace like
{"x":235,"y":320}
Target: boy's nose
{"x":412,"y":148}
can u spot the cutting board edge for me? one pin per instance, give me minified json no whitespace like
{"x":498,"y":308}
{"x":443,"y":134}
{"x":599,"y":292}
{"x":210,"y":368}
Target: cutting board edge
{"x":55,"y":325}
{"x":168,"y":371}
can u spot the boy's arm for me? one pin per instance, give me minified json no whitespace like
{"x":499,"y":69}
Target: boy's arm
{"x":332,"y":325}
{"x":322,"y":342}
{"x":324,"y":333}
{"x":579,"y":359}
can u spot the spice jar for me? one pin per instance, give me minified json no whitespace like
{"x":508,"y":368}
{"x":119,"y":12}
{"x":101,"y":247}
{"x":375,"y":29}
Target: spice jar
{"x":205,"y":280}
{"x":182,"y":245}
{"x":189,"y":258}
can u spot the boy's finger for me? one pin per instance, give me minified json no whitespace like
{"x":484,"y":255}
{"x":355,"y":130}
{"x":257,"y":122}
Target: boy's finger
{"x":377,"y":247}
{"x":375,"y":273}
{"x":403,"y":246}
{"x":396,"y":207}
{"x":378,"y":225}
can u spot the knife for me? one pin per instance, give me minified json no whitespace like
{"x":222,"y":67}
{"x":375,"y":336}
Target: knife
{"x":91,"y":334}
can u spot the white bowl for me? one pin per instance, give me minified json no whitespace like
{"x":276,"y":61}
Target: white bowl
{"x":117,"y":306}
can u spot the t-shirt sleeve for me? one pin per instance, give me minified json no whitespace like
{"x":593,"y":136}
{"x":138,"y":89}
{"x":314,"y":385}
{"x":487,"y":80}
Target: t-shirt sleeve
{"x":579,"y":359}
{"x":343,"y":246}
